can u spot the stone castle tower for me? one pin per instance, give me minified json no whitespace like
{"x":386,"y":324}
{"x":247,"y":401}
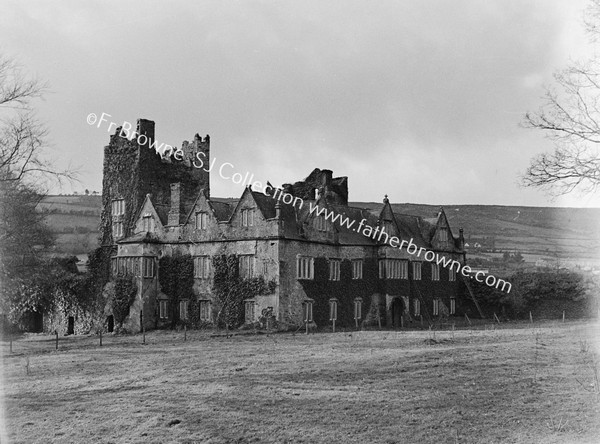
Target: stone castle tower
{"x":132,"y":170}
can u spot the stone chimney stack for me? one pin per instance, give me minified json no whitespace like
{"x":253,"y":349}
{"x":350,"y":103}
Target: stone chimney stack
{"x":175,"y":210}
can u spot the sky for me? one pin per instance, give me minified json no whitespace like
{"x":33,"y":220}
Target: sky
{"x":419,"y":100}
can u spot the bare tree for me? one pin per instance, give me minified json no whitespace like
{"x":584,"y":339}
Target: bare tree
{"x":22,"y":137}
{"x":570,"y":116}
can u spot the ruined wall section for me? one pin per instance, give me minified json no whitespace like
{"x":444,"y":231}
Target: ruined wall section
{"x":335,"y":189}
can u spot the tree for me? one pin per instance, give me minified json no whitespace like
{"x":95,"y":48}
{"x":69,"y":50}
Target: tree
{"x":570,"y":116}
{"x":24,"y":171}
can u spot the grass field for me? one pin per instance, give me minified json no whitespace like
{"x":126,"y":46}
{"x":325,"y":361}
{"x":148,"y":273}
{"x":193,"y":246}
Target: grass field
{"x":516,"y":384}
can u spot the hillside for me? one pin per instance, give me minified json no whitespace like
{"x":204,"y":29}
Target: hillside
{"x":75,"y":221}
{"x":570,"y":234}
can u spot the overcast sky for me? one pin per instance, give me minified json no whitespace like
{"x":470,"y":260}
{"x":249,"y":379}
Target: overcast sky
{"x":420,"y":100}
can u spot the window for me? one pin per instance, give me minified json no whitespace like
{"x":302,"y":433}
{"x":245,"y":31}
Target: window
{"x":334,"y":269}
{"x":435,"y":272}
{"x":250,"y":311}
{"x":265,"y":269}
{"x":201,"y":221}
{"x":148,"y":266}
{"x":416,"y":271}
{"x":202,"y":267}
{"x":247,"y":217}
{"x":136,"y":266}
{"x":117,"y":229}
{"x":357,"y":269}
{"x":162,"y":309}
{"x":452,"y":306}
{"x":417,"y":307}
{"x":147,"y":223}
{"x":388,"y":227}
{"x":305,"y":267}
{"x":443,"y":234}
{"x":333,"y":302}
{"x":451,"y":274}
{"x":436,"y":307}
{"x":393,"y":269}
{"x":183,"y":310}
{"x":118,"y":207}
{"x":320,"y":223}
{"x":121,"y":265}
{"x":357,"y":309}
{"x":205,"y":311}
{"x":308,"y":310}
{"x":246,"y":264}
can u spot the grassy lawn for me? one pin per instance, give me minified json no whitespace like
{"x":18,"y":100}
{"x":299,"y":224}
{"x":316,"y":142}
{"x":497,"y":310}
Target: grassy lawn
{"x":515,"y":384}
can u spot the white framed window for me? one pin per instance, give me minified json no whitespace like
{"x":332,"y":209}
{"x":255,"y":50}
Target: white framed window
{"x":443,"y":234}
{"x":357,"y":269}
{"x":416,"y":307}
{"x":305,"y":267}
{"x":435,"y":272}
{"x":358,"y":308}
{"x":416,"y":268}
{"x":320,"y":223}
{"x":388,"y":227}
{"x":333,"y":303}
{"x":118,"y":207}
{"x":436,"y":307}
{"x":308,"y":310}
{"x":205,"y":311}
{"x":246,"y":266}
{"x":451,"y":274}
{"x":201,"y":220}
{"x":248,"y":217}
{"x":162,"y":309}
{"x":452,"y":306}
{"x":334,"y":269}
{"x":393,"y":269}
{"x":147,"y":223}
{"x":250,"y":311}
{"x":148,"y":267}
{"x":117,"y":229}
{"x":183,"y":310}
{"x":202,"y":267}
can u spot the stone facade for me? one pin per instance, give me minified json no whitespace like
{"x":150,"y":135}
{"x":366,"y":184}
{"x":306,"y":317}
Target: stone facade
{"x":155,"y":207}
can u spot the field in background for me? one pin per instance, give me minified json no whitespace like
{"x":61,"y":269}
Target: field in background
{"x":518,"y":384}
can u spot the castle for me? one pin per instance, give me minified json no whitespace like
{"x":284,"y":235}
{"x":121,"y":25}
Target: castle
{"x":317,"y":270}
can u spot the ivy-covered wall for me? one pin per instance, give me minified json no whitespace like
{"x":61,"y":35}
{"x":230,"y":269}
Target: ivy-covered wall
{"x":176,"y":279}
{"x":230,"y":290}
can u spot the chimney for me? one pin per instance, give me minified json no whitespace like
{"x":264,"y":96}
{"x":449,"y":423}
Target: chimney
{"x":175,"y":210}
{"x":461,"y":238}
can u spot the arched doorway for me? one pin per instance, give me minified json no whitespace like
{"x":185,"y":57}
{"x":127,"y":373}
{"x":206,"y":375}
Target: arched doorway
{"x":397,"y":310}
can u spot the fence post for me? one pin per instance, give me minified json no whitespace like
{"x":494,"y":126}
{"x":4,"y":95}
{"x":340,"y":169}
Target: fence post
{"x":496,"y":317}
{"x":56,"y":333}
{"x":100,"y":338}
{"x":563,"y":316}
{"x":467,"y":318}
{"x":184,"y":332}
{"x":530,"y":318}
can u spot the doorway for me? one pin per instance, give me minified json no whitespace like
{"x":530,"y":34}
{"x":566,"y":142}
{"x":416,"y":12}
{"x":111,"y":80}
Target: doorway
{"x":110,"y":321}
{"x":71,"y":325}
{"x":397,"y":310}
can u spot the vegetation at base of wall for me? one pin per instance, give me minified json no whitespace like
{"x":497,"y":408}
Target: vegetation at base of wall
{"x":176,"y":279}
{"x":543,"y":293}
{"x":231,"y":290}
{"x":321,"y":289}
{"x":123,"y":296}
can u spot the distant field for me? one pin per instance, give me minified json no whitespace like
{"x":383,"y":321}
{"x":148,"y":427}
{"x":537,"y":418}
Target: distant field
{"x":518,"y":384}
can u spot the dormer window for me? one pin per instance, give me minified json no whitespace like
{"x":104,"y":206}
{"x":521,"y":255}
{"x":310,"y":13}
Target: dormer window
{"x":443,"y":234}
{"x":247,"y":217}
{"x":118,"y":207}
{"x":387,"y":226}
{"x":320,"y":223}
{"x":201,"y":220}
{"x":147,"y":223}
